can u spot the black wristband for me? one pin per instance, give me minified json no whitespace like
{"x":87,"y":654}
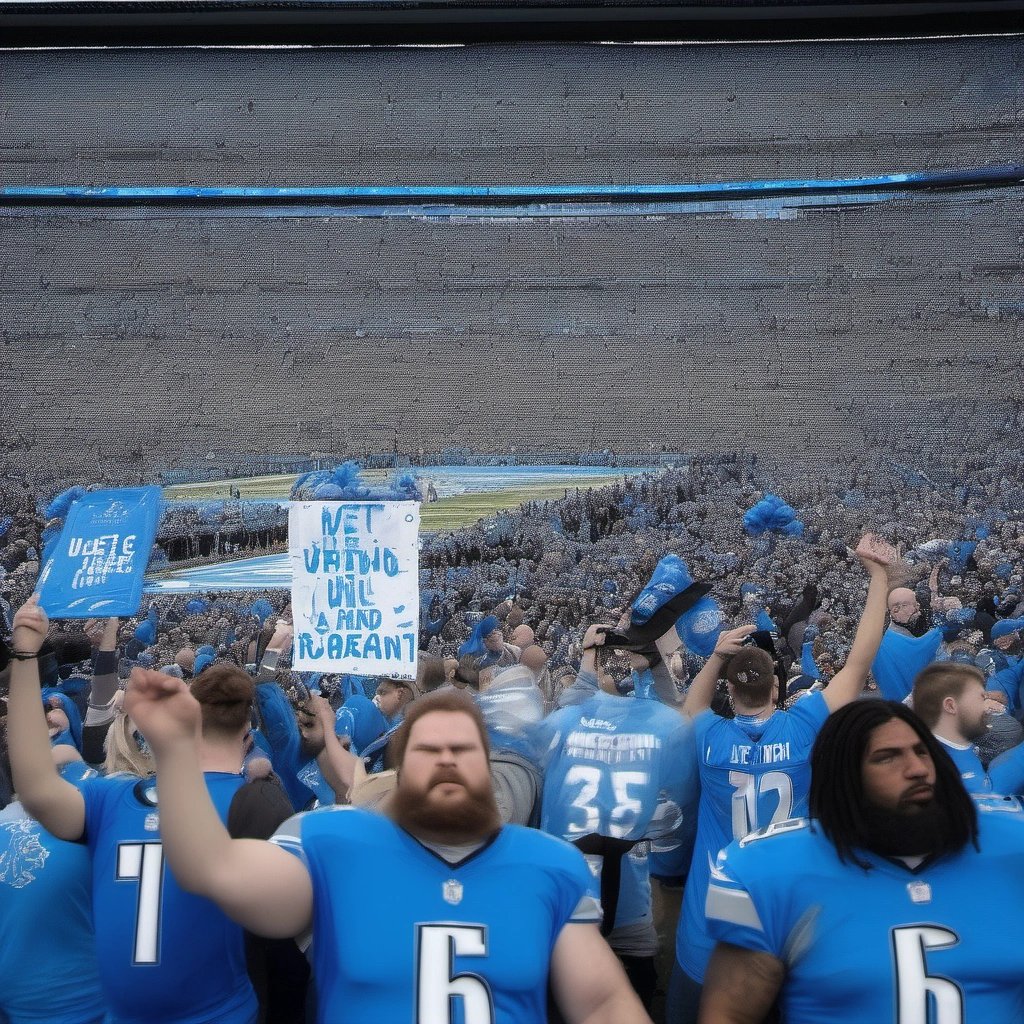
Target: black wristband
{"x":24,"y":656}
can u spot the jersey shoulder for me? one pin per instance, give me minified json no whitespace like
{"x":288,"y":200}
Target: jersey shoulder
{"x":788,"y":827}
{"x":775,"y":852}
{"x":1000,"y":824}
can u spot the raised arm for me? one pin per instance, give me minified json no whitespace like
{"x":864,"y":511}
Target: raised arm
{"x":702,"y":689}
{"x":257,"y":884}
{"x":588,"y":981}
{"x":876,"y":556}
{"x":336,"y":764}
{"x":740,"y":985}
{"x":56,"y":804}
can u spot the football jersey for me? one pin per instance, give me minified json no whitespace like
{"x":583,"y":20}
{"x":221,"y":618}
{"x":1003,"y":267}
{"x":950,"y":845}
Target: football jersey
{"x":48,"y":968}
{"x":429,"y":941}
{"x":611,"y":767}
{"x":168,"y":955}
{"x":889,"y":943}
{"x":968,"y":765}
{"x":1006,"y":772}
{"x":751,"y":775}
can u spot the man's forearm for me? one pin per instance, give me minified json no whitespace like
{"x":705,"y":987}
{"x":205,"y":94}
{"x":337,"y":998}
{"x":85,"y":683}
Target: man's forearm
{"x":740,"y":986}
{"x":35,"y":777}
{"x":872,"y":623}
{"x":702,"y":689}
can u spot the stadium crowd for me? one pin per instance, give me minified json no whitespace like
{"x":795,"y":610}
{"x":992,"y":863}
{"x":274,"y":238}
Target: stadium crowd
{"x":642,"y":671}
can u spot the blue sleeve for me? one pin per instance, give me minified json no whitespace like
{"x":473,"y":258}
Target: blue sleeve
{"x":811,"y":711}
{"x":1007,"y":771}
{"x":94,"y":791}
{"x":281,"y":731}
{"x":735,"y":914}
{"x":1008,"y":681}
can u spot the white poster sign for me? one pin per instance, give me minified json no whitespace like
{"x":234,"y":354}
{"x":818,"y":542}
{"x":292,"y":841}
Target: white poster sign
{"x":355,"y":586}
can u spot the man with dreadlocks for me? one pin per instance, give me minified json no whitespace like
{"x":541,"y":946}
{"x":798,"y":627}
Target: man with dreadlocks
{"x":868,"y":911}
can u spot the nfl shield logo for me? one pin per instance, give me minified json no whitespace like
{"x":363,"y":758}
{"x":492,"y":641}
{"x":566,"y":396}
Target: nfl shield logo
{"x":452,"y":891}
{"x":152,"y":823}
{"x":920,"y":892}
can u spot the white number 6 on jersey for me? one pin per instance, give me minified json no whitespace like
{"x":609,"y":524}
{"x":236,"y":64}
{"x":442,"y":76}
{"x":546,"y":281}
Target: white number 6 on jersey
{"x":437,"y":947}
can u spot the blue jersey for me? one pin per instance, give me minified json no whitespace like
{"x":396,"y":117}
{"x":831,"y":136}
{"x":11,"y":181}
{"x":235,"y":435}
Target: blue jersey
{"x":48,"y":968}
{"x":888,"y":943}
{"x":168,"y":955}
{"x":431,"y":941}
{"x":968,"y":764}
{"x":1005,"y":774}
{"x":751,"y":775}
{"x":613,"y":766}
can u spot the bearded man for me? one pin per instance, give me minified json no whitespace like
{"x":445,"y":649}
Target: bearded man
{"x":435,"y":913}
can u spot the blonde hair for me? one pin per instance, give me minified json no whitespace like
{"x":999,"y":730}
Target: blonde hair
{"x":122,"y":752}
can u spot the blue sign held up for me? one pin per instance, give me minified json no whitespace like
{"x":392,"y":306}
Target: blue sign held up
{"x":98,"y":562}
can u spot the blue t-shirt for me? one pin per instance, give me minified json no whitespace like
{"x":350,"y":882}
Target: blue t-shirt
{"x":48,"y":968}
{"x":429,"y":940}
{"x":885,"y":944}
{"x":168,"y":955}
{"x":612,"y":766}
{"x":750,"y":776}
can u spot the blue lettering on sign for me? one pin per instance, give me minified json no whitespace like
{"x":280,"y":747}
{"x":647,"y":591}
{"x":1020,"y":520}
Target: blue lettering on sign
{"x":348,"y":519}
{"x":358,"y":645}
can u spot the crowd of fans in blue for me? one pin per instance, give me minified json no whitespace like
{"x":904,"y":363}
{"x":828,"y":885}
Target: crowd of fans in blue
{"x":653,"y":662}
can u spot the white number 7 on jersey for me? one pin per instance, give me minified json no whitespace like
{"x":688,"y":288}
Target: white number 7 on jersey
{"x":437,"y":985}
{"x":144,"y":863}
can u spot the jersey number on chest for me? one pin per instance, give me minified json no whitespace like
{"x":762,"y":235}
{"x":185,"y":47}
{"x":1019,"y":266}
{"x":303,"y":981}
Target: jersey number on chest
{"x":915,"y":987}
{"x":438,"y":987}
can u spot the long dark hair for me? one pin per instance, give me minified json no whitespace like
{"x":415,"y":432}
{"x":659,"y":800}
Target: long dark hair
{"x":837,"y":791}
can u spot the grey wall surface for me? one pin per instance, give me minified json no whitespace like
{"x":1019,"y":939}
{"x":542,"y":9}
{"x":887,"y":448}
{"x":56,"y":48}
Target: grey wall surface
{"x":151,"y":337}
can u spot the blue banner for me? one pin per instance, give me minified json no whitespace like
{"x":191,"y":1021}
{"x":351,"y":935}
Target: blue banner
{"x":99,"y":560}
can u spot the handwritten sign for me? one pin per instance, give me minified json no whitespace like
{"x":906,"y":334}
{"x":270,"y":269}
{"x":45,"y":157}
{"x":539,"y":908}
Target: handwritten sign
{"x":355,"y":586}
{"x":101,"y":555}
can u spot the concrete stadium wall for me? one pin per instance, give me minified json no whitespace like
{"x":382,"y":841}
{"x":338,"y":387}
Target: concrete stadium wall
{"x":146,"y":337}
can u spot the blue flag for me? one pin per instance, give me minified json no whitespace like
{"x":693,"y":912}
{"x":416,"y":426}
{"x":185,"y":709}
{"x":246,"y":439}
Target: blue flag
{"x":899,"y":660}
{"x":98,"y":562}
{"x":808,"y":665}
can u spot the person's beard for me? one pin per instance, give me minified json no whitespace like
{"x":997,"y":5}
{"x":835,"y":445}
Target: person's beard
{"x":905,"y":834}
{"x":976,"y":730}
{"x":472,"y":815}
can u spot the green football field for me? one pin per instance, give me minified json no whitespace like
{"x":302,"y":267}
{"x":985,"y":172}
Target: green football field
{"x":445,"y":514}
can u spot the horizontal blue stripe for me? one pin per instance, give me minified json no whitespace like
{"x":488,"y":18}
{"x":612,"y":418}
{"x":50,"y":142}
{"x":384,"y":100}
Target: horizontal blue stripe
{"x":999,"y":175}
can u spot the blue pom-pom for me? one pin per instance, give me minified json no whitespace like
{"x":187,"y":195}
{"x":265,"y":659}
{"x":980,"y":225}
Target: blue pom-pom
{"x":770,"y":513}
{"x":61,"y":504}
{"x":145,"y":632}
{"x":262,"y":609}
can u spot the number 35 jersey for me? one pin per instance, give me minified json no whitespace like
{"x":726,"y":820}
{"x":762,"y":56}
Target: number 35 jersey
{"x":166,"y":955}
{"x":624,"y":768}
{"x":426,"y":940}
{"x":751,"y":774}
{"x":887,"y":943}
